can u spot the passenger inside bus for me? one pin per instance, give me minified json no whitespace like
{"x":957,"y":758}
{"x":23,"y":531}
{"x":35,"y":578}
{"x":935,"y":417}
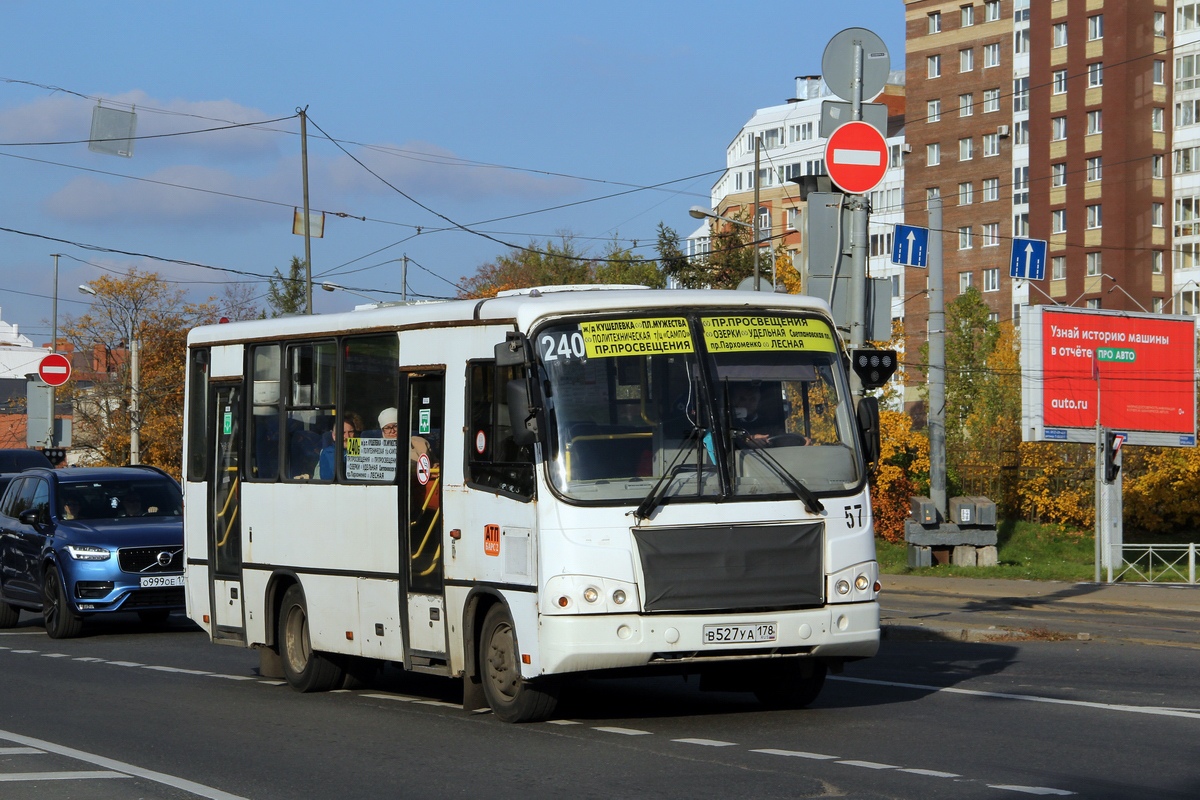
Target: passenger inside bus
{"x":350,"y":428}
{"x":759,"y":417}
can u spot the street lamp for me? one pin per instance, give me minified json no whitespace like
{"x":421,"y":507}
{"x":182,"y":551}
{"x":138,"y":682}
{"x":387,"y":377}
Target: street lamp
{"x":330,"y":286}
{"x":699,"y":212}
{"x":1127,"y":294}
{"x":135,"y":443}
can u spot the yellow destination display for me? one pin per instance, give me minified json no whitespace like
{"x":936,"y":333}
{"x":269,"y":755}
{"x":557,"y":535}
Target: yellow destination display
{"x":739,"y":334}
{"x":636,"y":337}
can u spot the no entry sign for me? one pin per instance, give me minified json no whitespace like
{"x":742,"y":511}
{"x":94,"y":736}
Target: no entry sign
{"x":54,"y":369}
{"x":856,"y":157}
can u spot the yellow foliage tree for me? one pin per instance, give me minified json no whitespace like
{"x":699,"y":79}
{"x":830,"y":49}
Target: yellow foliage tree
{"x":903,"y":472}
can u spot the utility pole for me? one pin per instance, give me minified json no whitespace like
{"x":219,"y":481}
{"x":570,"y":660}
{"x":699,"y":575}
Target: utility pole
{"x":404,"y":280}
{"x":754,"y":217}
{"x":937,"y":362}
{"x":53,"y":349}
{"x":307,"y":226}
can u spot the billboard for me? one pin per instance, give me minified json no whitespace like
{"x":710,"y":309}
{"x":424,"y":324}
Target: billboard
{"x":1135,"y":372}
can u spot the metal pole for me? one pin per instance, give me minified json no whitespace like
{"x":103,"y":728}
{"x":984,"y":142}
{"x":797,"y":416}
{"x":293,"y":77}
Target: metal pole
{"x":404,"y":280}
{"x":135,"y":438}
{"x":53,"y":349}
{"x":1099,"y":473}
{"x":307,"y":226}
{"x":859,"y":233}
{"x":757,"y":152}
{"x":937,"y":362}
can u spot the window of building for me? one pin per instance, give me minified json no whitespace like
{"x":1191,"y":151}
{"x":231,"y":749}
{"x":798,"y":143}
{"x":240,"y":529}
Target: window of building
{"x":1156,"y":262}
{"x":1058,"y":268}
{"x":1187,"y":216}
{"x":964,"y":237}
{"x":1021,"y":10}
{"x":991,"y":279}
{"x":991,"y":144}
{"x":991,"y":55}
{"x":1159,"y":72}
{"x":793,"y":218}
{"x":1094,"y":264}
{"x":1156,"y":305}
{"x":1095,"y":123}
{"x":1096,"y":74}
{"x":990,"y":233}
{"x":1156,"y":166}
{"x":1060,"y":81}
{"x":935,"y":22}
{"x":881,"y":244}
{"x":1185,"y":72}
{"x":1187,"y":112}
{"x":933,"y":154}
{"x":1187,"y":16}
{"x":1021,"y":94}
{"x":1021,"y":224}
{"x":991,"y":11}
{"x":1021,"y":131}
{"x":1187,"y":255}
{"x":1160,"y":23}
{"x":1156,"y":120}
{"x":966,"y":194}
{"x":966,"y":60}
{"x":991,"y":100}
{"x":1021,"y":40}
{"x":1156,"y":214}
{"x":966,"y":105}
{"x":991,"y":189}
{"x":1058,"y":174}
{"x":966,"y":149}
{"x":1020,"y":185}
{"x":1058,"y":220}
{"x":967,"y":15}
{"x":1094,"y":303}
{"x":1059,"y":35}
{"x":933,"y":66}
{"x":1094,"y":168}
{"x":933,"y":111}
{"x":1058,"y":129}
{"x":964,"y":282}
{"x":1095,"y":27}
{"x":932,"y":193}
{"x":1186,"y":160}
{"x":1095,"y":218}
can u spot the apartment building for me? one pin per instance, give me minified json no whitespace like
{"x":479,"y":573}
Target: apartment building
{"x":791,"y":147}
{"x":1050,"y":120}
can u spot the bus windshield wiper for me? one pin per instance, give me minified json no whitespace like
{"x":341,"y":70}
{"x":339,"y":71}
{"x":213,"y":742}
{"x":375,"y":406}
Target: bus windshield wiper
{"x":657,"y":493}
{"x":811,"y":502}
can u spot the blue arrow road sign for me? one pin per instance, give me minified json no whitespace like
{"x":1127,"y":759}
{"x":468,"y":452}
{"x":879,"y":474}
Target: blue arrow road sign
{"x":1028,"y":259}
{"x":910,"y":245}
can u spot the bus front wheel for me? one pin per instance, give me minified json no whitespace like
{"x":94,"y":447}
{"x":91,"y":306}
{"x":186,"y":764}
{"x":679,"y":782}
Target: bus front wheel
{"x":304,"y":669}
{"x":511,"y":698}
{"x":794,"y":683}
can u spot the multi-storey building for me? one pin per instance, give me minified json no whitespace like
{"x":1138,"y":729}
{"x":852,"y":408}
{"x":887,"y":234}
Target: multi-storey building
{"x":791,"y":147}
{"x":1050,"y":120}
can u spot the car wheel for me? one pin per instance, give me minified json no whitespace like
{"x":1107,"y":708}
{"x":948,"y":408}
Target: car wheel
{"x":61,"y":623}
{"x":9,"y":615}
{"x":512,"y":699}
{"x":305,"y":669}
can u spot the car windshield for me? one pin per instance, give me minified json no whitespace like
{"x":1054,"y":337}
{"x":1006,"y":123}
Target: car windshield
{"x":703,"y":406}
{"x":119,"y":499}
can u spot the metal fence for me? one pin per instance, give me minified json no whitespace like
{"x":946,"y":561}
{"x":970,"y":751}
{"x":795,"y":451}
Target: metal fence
{"x":1157,"y":563}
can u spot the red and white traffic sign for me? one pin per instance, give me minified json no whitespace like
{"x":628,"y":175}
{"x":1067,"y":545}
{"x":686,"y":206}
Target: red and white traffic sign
{"x":54,"y":369}
{"x":856,"y":157}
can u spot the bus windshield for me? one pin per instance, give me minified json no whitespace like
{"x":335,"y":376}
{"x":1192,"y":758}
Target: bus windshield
{"x":701,"y":406}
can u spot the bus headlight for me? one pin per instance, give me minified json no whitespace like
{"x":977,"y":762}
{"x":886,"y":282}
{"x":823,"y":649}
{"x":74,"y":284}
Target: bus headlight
{"x":590,"y":594}
{"x":843,"y":587}
{"x":858,"y":583}
{"x":862,"y":582}
{"x":587,"y":594}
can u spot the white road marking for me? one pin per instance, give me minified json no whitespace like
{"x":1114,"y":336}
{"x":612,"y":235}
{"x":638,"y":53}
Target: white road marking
{"x":13,"y":777}
{"x":931,"y":773}
{"x":1040,"y":790}
{"x":1029,"y":698}
{"x":795,"y":754}
{"x":55,"y":655}
{"x":20,"y":751}
{"x":867,"y":764}
{"x":623,"y":731}
{"x":706,"y":742}
{"x":197,"y":789}
{"x":562,"y":722}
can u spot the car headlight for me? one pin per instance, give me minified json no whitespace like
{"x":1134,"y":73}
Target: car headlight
{"x":88,"y":553}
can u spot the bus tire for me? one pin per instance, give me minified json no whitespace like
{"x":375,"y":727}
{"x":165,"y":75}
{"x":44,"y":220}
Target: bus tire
{"x":60,"y":622}
{"x":305,"y":669}
{"x":511,"y":698}
{"x":792,"y":684}
{"x":9,"y":615}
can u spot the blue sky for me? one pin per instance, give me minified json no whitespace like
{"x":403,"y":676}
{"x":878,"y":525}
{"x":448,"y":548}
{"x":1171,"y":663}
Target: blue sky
{"x":516,"y":120}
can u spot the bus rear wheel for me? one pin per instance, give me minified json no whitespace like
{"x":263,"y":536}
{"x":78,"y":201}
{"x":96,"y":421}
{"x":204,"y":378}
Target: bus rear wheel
{"x":511,"y":698}
{"x":790,"y":684}
{"x":304,"y":669}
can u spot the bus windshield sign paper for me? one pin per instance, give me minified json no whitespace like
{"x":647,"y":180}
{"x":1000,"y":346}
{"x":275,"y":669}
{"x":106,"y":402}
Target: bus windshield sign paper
{"x":1136,"y":371}
{"x":739,"y":334}
{"x":636,"y":337}
{"x":371,"y":459}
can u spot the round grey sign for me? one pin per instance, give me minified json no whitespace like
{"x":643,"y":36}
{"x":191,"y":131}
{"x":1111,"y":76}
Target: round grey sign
{"x":837,"y":64}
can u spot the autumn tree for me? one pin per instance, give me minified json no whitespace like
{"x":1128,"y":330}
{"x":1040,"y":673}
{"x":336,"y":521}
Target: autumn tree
{"x":557,"y":263}
{"x":728,"y":262}
{"x":144,"y":309}
{"x":288,"y":295}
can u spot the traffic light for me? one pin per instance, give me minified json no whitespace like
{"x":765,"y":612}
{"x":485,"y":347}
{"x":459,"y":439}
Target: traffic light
{"x":873,"y":367}
{"x":1112,"y":446}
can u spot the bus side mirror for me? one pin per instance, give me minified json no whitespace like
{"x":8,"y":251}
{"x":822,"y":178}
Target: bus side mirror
{"x":868,"y":428}
{"x":523,"y":414}
{"x":513,"y":351}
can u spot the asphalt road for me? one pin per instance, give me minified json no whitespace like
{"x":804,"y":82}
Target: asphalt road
{"x":126,"y":713}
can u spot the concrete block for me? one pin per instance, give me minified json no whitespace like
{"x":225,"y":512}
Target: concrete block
{"x":923,"y":511}
{"x":962,"y":511}
{"x":947,"y":534}
{"x":964,"y":556}
{"x":987,"y":556}
{"x":919,"y":556}
{"x":985,"y":512}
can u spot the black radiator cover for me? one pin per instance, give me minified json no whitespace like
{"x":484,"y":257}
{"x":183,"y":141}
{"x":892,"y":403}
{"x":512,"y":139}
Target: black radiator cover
{"x":732,"y":567}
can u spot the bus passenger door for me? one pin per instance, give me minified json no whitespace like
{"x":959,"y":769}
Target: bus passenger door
{"x":424,"y":552}
{"x":224,"y":523}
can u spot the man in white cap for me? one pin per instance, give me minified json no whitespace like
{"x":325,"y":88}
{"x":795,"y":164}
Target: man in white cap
{"x":388,"y":423}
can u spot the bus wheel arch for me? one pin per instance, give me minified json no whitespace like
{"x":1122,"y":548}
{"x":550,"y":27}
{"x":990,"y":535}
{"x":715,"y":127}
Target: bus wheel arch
{"x":306,"y":670}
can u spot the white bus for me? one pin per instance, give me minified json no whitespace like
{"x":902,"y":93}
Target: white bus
{"x":545,"y":483}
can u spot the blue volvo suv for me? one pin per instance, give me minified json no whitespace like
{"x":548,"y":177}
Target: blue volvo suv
{"x":87,"y":541}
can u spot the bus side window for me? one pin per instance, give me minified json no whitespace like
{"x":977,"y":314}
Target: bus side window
{"x":495,"y":462}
